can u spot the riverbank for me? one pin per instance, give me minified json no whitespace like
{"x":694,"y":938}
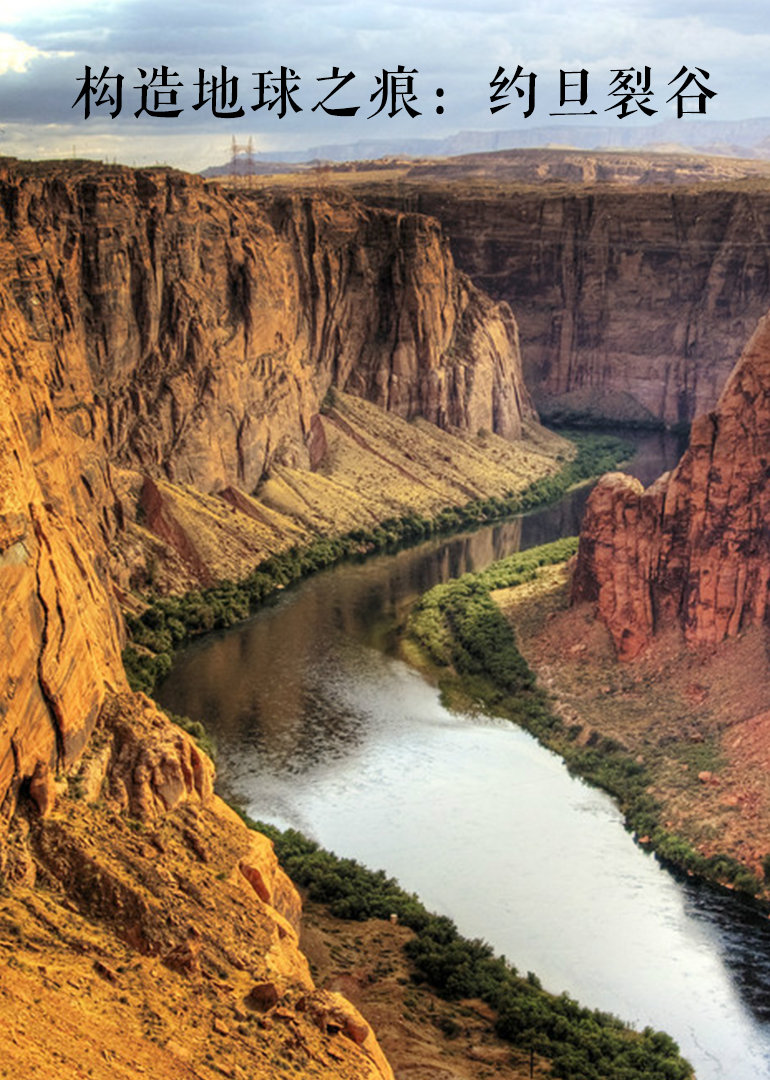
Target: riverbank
{"x":169,"y":622}
{"x":426,"y":952}
{"x":421,"y":1034}
{"x":689,"y":716}
{"x":464,"y":631}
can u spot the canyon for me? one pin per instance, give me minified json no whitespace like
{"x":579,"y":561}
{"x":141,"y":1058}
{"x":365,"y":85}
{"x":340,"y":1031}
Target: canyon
{"x":636,"y":279}
{"x":195,"y":378}
{"x":158,"y":333}
{"x":175,"y":359}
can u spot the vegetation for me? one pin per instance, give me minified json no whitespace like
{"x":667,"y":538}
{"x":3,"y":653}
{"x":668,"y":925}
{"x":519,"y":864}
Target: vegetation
{"x":462,"y":631}
{"x":169,"y":622}
{"x":581,"y":1043}
{"x":198,"y":732}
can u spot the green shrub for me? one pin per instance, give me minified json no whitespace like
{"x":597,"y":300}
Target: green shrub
{"x":462,"y":631}
{"x":580,"y":1042}
{"x":169,"y":622}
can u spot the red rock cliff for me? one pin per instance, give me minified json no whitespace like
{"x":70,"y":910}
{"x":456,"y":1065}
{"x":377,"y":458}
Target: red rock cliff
{"x":695,"y":547}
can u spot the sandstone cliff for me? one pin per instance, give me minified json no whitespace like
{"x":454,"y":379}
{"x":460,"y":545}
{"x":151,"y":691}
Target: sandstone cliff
{"x":156,"y":336}
{"x":694,"y":549}
{"x":150,"y":322}
{"x":214,"y":324}
{"x":632,"y":302}
{"x":60,"y":645}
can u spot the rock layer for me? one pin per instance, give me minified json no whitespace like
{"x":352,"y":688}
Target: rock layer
{"x":632,"y":302}
{"x":693,"y":549}
{"x":152,"y":321}
{"x":214,"y":323}
{"x":60,"y":639}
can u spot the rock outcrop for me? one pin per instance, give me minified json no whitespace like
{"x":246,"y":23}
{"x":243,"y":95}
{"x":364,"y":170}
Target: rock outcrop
{"x":153,"y":322}
{"x":632,"y":302}
{"x":694,"y":549}
{"x":176,"y":921}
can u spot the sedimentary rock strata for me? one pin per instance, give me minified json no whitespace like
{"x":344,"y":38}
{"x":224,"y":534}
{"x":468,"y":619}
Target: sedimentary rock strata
{"x":693,"y":549}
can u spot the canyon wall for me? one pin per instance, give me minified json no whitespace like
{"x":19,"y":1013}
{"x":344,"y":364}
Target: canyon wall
{"x":632,"y":302}
{"x":153,"y":322}
{"x":60,"y":638}
{"x":213,"y":324}
{"x":152,"y":327}
{"x":694,"y":549}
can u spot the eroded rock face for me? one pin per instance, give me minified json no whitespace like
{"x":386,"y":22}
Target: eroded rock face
{"x":632,"y":303}
{"x":150,"y":320}
{"x":695,"y":547}
{"x":60,"y":636}
{"x":214,"y":324}
{"x":180,"y":909}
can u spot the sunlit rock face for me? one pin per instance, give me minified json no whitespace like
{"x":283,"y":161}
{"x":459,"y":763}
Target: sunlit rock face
{"x":693,"y":549}
{"x":152,"y":321}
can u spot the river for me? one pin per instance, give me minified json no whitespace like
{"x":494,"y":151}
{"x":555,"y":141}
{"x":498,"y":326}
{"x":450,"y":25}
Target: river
{"x":320,"y":726}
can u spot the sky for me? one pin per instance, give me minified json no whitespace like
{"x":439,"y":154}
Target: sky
{"x":47,"y":45}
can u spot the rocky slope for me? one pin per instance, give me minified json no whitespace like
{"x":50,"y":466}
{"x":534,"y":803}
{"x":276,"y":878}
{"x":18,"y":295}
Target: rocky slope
{"x":633,"y":296}
{"x":151,"y":323}
{"x":164,"y":942}
{"x":694,"y":549}
{"x":158,"y":336}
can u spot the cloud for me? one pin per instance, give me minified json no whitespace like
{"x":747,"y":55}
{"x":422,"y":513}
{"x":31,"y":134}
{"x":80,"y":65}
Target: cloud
{"x":15,"y":55}
{"x":451,"y":45}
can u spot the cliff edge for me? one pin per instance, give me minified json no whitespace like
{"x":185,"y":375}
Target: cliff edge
{"x":694,"y":548}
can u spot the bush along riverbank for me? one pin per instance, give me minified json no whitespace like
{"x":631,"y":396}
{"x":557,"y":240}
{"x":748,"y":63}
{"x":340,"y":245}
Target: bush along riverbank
{"x":580,"y":1043}
{"x":169,"y":622}
{"x":459,"y":629}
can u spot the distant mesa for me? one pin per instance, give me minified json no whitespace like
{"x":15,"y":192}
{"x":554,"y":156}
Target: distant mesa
{"x":738,"y":138}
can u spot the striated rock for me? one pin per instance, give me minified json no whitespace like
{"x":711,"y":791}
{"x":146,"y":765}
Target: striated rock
{"x":61,"y":636}
{"x":128,"y":915}
{"x":632,"y":302}
{"x":214,"y":323}
{"x":613,"y":560}
{"x":153,"y":321}
{"x":694,"y":549}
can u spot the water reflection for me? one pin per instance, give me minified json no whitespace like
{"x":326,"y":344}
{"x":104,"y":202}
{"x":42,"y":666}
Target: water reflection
{"x":318,"y":727}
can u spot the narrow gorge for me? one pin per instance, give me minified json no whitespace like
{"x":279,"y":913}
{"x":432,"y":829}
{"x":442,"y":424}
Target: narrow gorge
{"x":168,"y":351}
{"x":198,"y":379}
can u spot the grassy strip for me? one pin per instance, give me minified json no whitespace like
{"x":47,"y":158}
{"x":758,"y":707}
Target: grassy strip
{"x":170,"y":622}
{"x":463,"y":632}
{"x":581,"y":1043}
